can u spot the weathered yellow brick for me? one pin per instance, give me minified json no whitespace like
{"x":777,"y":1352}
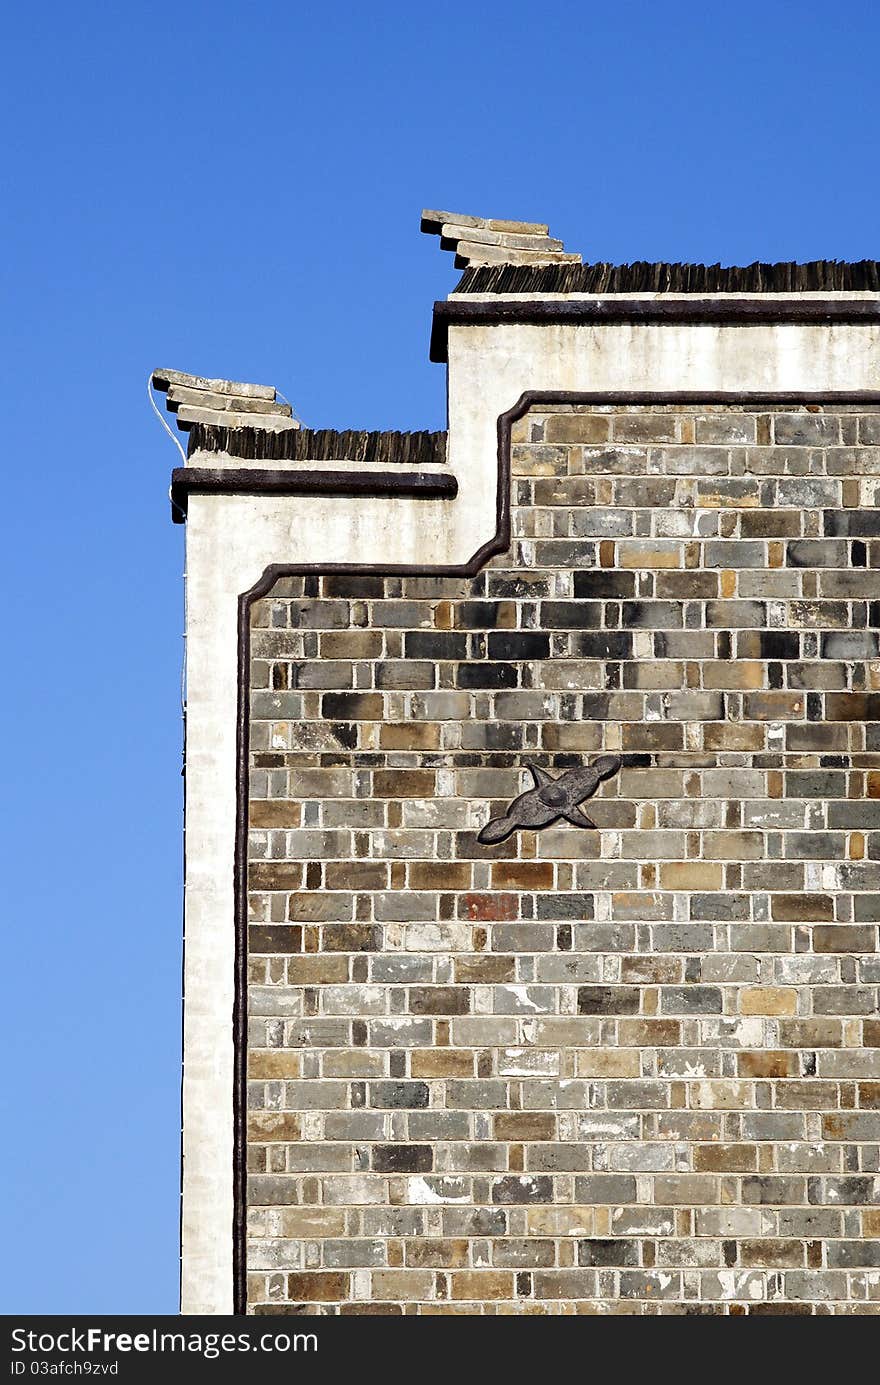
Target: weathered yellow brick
{"x":481,"y":1284}
{"x":267,"y":1064}
{"x":609,"y":1062}
{"x":395,"y":1285}
{"x":648,"y":555}
{"x":273,"y":1126}
{"x":305,"y":1222}
{"x":768,"y":1000}
{"x":318,"y":1286}
{"x":560,"y":1221}
{"x":691,"y":875}
{"x":447,"y":1062}
{"x":733,"y":673}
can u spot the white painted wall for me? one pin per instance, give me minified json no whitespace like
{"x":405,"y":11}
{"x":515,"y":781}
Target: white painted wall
{"x":232,"y":539}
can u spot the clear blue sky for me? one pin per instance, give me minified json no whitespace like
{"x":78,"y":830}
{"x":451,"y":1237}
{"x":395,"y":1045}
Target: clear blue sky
{"x":234,"y":189}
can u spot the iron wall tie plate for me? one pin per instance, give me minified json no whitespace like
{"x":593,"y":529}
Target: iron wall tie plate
{"x":551,"y":799}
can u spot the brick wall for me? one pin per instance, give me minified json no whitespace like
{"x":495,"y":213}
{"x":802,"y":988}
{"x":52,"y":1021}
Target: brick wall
{"x":632,"y":1069}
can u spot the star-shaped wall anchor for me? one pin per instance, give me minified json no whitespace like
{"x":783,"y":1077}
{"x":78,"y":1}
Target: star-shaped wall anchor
{"x":552,"y":799}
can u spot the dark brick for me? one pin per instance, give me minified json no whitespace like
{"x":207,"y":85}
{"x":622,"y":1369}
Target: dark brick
{"x":571,"y":614}
{"x":850,"y":644}
{"x":598,"y":583}
{"x":492,"y":735}
{"x":854,"y":815}
{"x":858,"y":524}
{"x":802,"y":908}
{"x":810,"y":430}
{"x":866,"y":908}
{"x":353,"y":706}
{"x":608,"y":1000}
{"x":652,"y":615}
{"x":517,"y":644}
{"x":405,"y":673}
{"x":815,"y":737}
{"x":608,"y":1252}
{"x":486,"y":675}
{"x":687,"y":585}
{"x":770,"y":524}
{"x":853,"y":1255}
{"x":815,"y":784}
{"x":603,"y":644}
{"x":409,"y":1095}
{"x":778,"y":644}
{"x":520,"y":586}
{"x":267,"y":938}
{"x":843,"y":937}
{"x":594,"y":706}
{"x":736,"y":615}
{"x":478,"y":615}
{"x":346,"y":735}
{"x":439,"y":1000}
{"x":613,"y":1188}
{"x":356,"y":875}
{"x":719,"y":906}
{"x":564,"y":906}
{"x":353,"y":584}
{"x":690,"y":1000}
{"x":816,"y":846}
{"x":527,"y":1188}
{"x":403,"y":1158}
{"x":857,"y":706}
{"x":274,"y":875}
{"x":852,"y":1192}
{"x":319,"y":615}
{"x":772,"y":1189}
{"x":816,"y":553}
{"x":351,"y":937}
{"x":434,"y":644}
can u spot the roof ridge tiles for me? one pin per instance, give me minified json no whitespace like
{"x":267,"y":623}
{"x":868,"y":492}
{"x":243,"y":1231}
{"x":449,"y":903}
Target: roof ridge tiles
{"x":482,"y":240}
{"x":198,"y":399}
{"x":164,"y":379}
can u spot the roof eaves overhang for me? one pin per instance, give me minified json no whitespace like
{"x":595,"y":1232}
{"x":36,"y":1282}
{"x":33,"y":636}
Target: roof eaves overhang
{"x":597,"y":309}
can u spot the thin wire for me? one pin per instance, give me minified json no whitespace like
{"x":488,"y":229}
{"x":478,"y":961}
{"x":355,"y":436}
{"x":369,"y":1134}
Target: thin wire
{"x":161,"y":417}
{"x":182,"y":512}
{"x":279,"y":394}
{"x":164,"y":422}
